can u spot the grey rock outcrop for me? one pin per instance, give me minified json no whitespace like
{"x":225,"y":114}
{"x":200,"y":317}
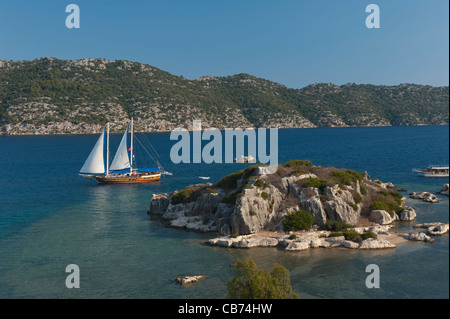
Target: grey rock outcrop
{"x":338,"y":208}
{"x":159,"y":203}
{"x":381,"y":217}
{"x":254,"y":201}
{"x":425,"y":196}
{"x":438,"y":230}
{"x":408,"y":214}
{"x":419,"y":236}
{"x":252,"y":212}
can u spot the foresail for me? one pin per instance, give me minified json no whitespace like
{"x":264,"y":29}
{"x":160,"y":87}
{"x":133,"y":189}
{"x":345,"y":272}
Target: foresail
{"x":121,"y":159}
{"x":95,"y":162}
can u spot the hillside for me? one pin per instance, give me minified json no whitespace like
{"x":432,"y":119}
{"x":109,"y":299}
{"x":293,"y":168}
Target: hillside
{"x":48,"y":96}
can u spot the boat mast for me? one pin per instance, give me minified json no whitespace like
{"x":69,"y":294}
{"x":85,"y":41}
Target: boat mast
{"x":107,"y":148}
{"x":131,"y":147}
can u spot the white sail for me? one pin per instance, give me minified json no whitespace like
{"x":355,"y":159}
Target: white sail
{"x":121,"y":159}
{"x":95,"y":162}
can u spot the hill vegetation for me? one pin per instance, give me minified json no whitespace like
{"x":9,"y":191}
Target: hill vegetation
{"x":49,"y":95}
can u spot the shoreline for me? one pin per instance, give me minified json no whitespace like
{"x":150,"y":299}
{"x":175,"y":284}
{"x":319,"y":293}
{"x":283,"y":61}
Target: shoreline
{"x":6,"y":134}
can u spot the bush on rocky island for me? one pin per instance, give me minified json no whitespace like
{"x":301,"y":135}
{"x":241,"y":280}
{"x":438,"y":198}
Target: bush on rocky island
{"x":298,"y":220}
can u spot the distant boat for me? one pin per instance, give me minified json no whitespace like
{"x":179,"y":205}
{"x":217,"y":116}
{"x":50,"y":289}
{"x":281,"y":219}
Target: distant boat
{"x":204,"y":177}
{"x":245,"y":159}
{"x":122,"y":168}
{"x":433,"y":171}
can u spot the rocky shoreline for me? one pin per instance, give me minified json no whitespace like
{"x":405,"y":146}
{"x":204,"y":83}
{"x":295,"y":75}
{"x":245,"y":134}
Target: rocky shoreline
{"x":249,"y":209}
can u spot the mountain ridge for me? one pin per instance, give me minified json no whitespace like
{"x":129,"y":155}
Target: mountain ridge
{"x":53,"y":96}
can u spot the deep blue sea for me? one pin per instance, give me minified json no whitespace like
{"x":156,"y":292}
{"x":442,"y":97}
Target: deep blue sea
{"x":50,"y":217}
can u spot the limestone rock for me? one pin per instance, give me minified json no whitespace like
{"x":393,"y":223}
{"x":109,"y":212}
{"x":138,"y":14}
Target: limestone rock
{"x":286,"y":182}
{"x":372,"y":243}
{"x":189,"y":280}
{"x":252,"y":212}
{"x":419,"y":236}
{"x":381,"y":217}
{"x":349,"y":244}
{"x":438,"y":230}
{"x":408,"y":213}
{"x":425,"y":196}
{"x":338,"y":208}
{"x":426,"y":225}
{"x":297,"y":245}
{"x":159,"y":203}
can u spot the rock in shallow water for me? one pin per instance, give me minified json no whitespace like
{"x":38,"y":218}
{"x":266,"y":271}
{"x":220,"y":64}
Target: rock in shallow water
{"x":438,"y":230}
{"x":189,"y":280}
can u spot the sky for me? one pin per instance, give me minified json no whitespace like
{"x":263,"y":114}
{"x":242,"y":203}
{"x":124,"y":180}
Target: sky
{"x":292,"y":42}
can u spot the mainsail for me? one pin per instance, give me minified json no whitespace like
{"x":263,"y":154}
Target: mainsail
{"x":95,"y":162}
{"x":121,"y":159}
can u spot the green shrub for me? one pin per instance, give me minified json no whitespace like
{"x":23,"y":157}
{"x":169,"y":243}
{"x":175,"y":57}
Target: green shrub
{"x":350,"y":234}
{"x":357,"y":198}
{"x":344,"y":177}
{"x":313,"y":182}
{"x":336,"y":234}
{"x":230,"y":181}
{"x":355,"y":207}
{"x":293,"y":236}
{"x":265,"y":195}
{"x":325,"y":198}
{"x":210,"y":191}
{"x":292,"y":163}
{"x":363,"y":189}
{"x":357,"y":175}
{"x":261,"y":184}
{"x":390,"y":207}
{"x":333,"y":225}
{"x":369,"y":234}
{"x":252,"y":213}
{"x":253,"y":283}
{"x":299,"y":172}
{"x":188,"y":194}
{"x":395,"y":195}
{"x":177,"y":198}
{"x":298,"y":220}
{"x":231,"y":198}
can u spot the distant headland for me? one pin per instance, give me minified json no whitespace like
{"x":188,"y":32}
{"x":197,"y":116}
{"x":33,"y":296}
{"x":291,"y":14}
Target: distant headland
{"x":52,"y":96}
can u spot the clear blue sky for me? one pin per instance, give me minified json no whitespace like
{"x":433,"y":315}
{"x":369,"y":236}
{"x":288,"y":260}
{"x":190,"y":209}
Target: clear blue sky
{"x":295,"y":43}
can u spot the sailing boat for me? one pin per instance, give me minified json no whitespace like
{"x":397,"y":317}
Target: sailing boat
{"x":122,"y":168}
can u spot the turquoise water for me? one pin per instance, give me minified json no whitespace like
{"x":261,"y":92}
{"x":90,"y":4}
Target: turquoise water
{"x":51,"y":217}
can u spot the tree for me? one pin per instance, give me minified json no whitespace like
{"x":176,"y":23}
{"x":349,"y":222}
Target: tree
{"x":253,"y":283}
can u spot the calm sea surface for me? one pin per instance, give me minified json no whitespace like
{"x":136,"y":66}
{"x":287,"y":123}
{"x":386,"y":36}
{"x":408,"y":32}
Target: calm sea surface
{"x":50,"y":217}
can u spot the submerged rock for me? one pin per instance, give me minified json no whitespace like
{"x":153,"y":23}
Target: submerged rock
{"x":425,"y":196}
{"x":419,"y":236}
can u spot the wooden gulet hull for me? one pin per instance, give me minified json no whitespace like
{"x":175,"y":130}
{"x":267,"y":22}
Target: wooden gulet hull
{"x":128,"y":179}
